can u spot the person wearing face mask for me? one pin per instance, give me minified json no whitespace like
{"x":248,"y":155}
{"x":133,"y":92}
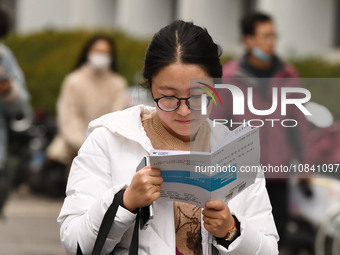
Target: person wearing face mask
{"x":260,"y":60}
{"x":262,"y":70}
{"x":93,"y":88}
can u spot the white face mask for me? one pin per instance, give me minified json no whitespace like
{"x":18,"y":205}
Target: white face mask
{"x":99,"y":61}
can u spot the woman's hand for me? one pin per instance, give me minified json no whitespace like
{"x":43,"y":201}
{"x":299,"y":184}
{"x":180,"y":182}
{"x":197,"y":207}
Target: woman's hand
{"x":218,"y":220}
{"x":5,"y":87}
{"x":144,"y":188}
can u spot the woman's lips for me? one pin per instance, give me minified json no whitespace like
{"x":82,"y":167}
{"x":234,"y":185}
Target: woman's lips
{"x":183,"y":121}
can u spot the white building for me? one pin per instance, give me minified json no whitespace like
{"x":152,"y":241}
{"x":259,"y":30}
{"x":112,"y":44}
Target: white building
{"x":305,"y":27}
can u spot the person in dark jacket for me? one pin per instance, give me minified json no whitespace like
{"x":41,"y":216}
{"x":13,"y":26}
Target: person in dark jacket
{"x":262,"y":70}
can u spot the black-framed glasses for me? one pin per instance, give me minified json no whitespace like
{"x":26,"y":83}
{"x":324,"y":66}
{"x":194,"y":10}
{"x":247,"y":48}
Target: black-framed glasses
{"x":171,"y":103}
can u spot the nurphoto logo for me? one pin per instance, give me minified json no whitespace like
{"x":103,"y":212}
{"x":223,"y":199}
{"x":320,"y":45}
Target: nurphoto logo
{"x":238,"y":99}
{"x":204,"y":97}
{"x":239,"y":103}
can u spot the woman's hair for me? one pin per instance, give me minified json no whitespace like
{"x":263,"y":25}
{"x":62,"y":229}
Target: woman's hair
{"x":83,"y":55}
{"x":4,"y":23}
{"x":182,"y":42}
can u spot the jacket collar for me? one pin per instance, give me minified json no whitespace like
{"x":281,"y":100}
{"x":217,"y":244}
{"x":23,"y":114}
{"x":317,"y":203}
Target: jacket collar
{"x":245,"y":72}
{"x":126,"y":123}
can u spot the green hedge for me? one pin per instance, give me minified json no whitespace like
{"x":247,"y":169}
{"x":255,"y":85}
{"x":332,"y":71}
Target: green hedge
{"x":47,"y":57}
{"x":323,"y":90}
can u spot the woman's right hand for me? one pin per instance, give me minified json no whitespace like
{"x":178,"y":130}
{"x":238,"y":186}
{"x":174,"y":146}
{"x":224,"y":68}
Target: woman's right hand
{"x":144,"y":188}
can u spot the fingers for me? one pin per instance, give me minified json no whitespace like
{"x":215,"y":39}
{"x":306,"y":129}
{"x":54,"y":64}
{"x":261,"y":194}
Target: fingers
{"x":154,"y":172}
{"x":151,"y":175}
{"x":206,"y":220}
{"x":155,"y":188}
{"x":210,"y":214}
{"x":156,"y":180}
{"x":215,"y":227}
{"x":155,"y":196}
{"x":217,"y":218}
{"x":143,"y":189}
{"x":212,"y":224}
{"x":151,"y":171}
{"x":216,"y":209}
{"x":158,"y":188}
{"x":217,"y":205}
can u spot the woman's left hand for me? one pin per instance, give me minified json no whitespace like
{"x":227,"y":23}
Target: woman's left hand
{"x":5,"y":86}
{"x":217,"y":218}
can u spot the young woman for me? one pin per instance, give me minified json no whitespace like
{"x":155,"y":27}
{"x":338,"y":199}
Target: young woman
{"x":93,"y":88}
{"x":107,"y":162}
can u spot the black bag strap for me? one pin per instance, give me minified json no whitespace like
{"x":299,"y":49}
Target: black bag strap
{"x":135,"y":237}
{"x":79,"y":252}
{"x":107,"y":224}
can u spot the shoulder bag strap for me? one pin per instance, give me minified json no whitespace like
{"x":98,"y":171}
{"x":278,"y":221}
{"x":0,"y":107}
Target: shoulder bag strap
{"x":106,"y":226}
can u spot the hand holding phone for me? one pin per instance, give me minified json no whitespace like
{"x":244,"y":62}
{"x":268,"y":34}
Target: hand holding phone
{"x":146,"y":213}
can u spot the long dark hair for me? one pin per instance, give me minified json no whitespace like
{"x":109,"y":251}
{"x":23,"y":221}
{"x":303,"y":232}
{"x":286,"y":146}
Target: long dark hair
{"x":4,"y":23}
{"x":185,"y":43}
{"x":83,"y":55}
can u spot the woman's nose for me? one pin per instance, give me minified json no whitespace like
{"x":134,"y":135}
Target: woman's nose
{"x":183,"y":109}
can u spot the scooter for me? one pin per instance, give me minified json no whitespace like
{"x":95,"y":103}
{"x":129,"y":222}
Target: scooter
{"x":315,"y":219}
{"x":27,"y":157}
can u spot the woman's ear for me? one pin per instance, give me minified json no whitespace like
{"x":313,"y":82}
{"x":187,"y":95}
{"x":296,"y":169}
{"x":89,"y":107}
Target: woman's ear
{"x":145,"y":84}
{"x":148,"y":84}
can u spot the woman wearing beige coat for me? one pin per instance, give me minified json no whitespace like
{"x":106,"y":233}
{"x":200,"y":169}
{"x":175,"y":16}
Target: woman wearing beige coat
{"x":94,"y":88}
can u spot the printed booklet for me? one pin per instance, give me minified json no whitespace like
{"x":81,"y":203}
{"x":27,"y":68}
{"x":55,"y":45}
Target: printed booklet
{"x":197,"y":177}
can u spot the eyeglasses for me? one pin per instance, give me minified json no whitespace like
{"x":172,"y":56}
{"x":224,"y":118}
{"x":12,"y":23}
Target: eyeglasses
{"x":268,"y":36}
{"x":169,"y":104}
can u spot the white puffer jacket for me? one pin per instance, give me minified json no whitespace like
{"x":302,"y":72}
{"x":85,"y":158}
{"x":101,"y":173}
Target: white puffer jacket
{"x":107,"y":162}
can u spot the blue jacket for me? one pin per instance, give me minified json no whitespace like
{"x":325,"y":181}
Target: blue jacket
{"x":15,"y":101}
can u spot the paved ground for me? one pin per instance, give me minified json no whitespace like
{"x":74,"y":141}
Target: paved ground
{"x":29,"y":226}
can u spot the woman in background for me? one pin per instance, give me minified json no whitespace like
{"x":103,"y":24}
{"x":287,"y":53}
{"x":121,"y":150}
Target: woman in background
{"x":93,"y":88}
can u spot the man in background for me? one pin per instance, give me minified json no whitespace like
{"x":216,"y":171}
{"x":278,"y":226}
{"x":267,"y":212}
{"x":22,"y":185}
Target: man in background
{"x":261,"y":69}
{"x":14,"y":101}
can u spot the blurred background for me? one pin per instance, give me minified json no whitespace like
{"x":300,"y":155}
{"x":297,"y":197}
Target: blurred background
{"x":47,"y":37}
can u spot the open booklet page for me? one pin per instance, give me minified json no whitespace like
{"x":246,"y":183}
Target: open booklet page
{"x":197,"y":177}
